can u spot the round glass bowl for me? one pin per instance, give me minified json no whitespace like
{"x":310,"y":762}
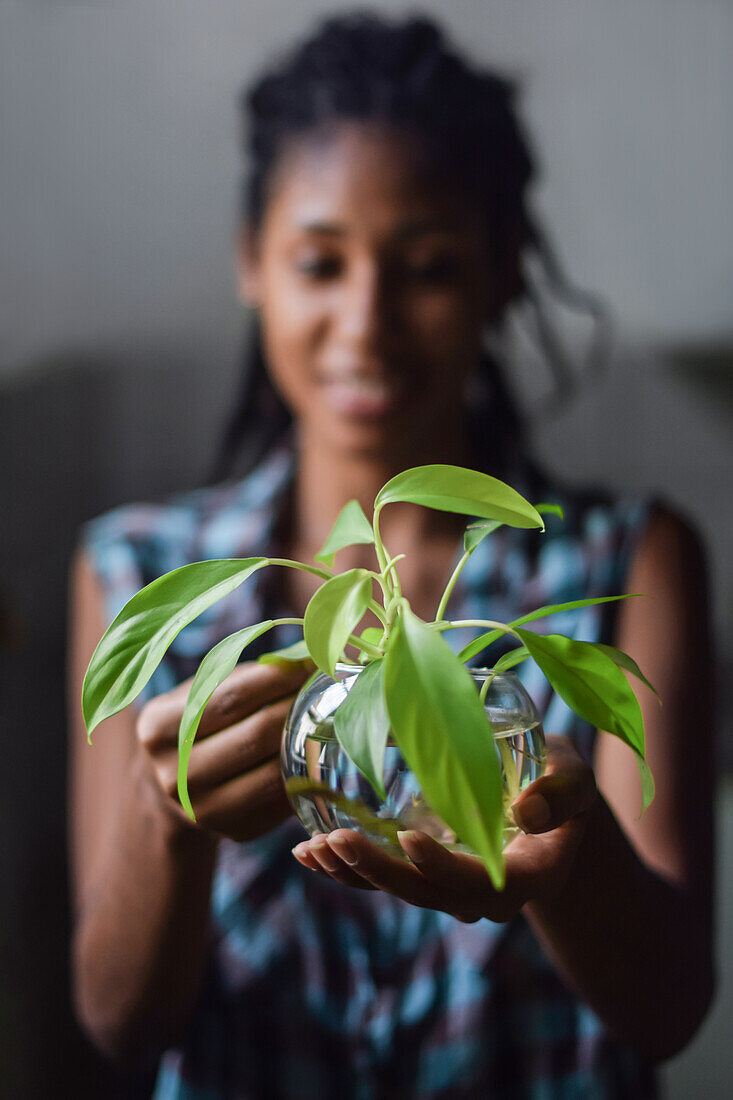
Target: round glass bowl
{"x":328,"y":792}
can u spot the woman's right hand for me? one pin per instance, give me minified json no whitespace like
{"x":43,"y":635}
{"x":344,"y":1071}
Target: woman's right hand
{"x":234,"y":777}
{"x":141,"y":871}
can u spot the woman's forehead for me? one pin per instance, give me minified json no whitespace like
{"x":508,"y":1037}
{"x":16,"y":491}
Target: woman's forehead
{"x":363,"y":174}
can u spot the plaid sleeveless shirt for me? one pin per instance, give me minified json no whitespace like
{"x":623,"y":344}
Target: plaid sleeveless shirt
{"x":314,"y":991}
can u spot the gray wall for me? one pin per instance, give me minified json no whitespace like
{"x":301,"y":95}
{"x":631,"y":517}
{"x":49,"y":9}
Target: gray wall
{"x":119,"y":154}
{"x":120,"y":332}
{"x":118,"y":179}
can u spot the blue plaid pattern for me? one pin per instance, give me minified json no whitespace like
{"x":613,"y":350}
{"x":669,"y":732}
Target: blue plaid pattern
{"x":314,"y":991}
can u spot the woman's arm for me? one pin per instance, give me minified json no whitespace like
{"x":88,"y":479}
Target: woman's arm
{"x":141,"y":870}
{"x":140,"y":876}
{"x":632,"y":929}
{"x":622,"y":906}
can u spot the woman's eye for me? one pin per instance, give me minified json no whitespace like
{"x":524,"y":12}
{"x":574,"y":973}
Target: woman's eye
{"x":318,"y":267}
{"x":434,"y":271}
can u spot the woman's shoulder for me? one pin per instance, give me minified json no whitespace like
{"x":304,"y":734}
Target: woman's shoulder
{"x":134,"y":543}
{"x":602,"y":522}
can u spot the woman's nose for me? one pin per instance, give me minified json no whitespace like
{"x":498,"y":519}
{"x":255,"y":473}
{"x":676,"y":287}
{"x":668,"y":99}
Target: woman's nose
{"x":365,"y":307}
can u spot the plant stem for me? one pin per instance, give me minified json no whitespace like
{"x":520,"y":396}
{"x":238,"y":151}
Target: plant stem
{"x":458,"y":623}
{"x":388,"y":591}
{"x":485,"y":687}
{"x":366,"y":647}
{"x":390,"y":583}
{"x":378,"y":611}
{"x":287,"y":622}
{"x":324,"y":574}
{"x":392,"y":562}
{"x":510,"y":768}
{"x":379,"y":546}
{"x":451,"y":585}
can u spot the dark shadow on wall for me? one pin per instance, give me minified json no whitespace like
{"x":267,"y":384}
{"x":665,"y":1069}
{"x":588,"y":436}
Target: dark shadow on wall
{"x":707,"y":372}
{"x":78,"y":436}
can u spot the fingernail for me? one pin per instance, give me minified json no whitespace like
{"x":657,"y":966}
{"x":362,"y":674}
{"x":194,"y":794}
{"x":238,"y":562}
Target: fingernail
{"x":325,"y":856}
{"x":299,"y":852}
{"x":410,"y":843}
{"x":532,"y":814}
{"x":343,"y":849}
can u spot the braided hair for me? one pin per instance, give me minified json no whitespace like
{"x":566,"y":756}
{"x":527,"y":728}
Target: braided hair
{"x":360,"y":67}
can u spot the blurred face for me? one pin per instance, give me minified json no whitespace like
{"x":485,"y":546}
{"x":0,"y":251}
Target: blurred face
{"x":373,"y":290}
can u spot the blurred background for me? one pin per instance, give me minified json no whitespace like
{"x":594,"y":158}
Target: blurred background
{"x":120,"y":337}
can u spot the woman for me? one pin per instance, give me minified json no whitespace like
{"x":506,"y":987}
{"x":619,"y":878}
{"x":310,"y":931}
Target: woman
{"x":385,"y":224}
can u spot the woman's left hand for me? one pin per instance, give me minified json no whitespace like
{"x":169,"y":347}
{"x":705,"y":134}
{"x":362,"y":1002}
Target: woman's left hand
{"x":552,"y":812}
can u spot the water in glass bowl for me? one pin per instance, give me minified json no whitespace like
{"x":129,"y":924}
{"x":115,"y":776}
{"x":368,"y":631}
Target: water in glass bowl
{"x":328,"y":792}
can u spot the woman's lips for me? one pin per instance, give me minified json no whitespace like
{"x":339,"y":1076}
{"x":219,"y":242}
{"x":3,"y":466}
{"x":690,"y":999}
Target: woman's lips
{"x":360,"y":395}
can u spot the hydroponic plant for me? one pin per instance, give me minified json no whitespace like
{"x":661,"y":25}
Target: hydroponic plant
{"x":415,"y":687}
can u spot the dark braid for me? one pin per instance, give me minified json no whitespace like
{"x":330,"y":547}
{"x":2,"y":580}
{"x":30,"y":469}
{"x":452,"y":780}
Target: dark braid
{"x":361,"y":67}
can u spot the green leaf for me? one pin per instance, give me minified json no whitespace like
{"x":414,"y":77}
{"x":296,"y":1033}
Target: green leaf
{"x":593,"y":685}
{"x":361,"y":725}
{"x":545,"y":509}
{"x":509,"y":660}
{"x":442,"y":730}
{"x":455,"y":489}
{"x":472,"y":648}
{"x":628,"y":663}
{"x":477,"y":532}
{"x":647,"y":781}
{"x":133,"y":646}
{"x":351,"y":528}
{"x":332,"y":614}
{"x":372,"y":635}
{"x":291,"y":654}
{"x":218,"y":663}
{"x":573,"y":605}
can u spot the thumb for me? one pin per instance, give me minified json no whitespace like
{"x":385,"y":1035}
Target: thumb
{"x":554,"y":799}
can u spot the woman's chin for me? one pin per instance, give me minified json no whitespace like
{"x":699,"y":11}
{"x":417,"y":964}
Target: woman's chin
{"x":381,"y":425}
{"x":364,"y":435}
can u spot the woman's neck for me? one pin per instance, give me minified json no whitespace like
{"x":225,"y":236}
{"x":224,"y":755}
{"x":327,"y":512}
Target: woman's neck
{"x":327,"y":479}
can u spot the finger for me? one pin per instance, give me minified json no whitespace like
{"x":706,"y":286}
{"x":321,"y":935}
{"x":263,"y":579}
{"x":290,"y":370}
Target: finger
{"x":248,"y":806}
{"x":567,"y":788}
{"x":318,"y":853}
{"x":385,"y":872}
{"x":226,"y":754}
{"x":467,"y":880}
{"x":475,"y":897}
{"x":452,"y":870}
{"x":238,"y":749}
{"x":247,"y":689}
{"x":304,"y":857}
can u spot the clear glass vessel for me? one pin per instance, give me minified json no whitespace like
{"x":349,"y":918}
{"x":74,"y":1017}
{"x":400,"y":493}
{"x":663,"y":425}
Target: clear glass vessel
{"x":328,"y":792}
